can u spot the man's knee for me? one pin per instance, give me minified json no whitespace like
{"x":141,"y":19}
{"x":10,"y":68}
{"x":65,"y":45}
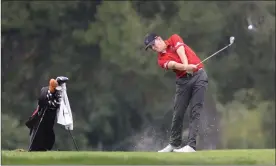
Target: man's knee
{"x":196,"y":110}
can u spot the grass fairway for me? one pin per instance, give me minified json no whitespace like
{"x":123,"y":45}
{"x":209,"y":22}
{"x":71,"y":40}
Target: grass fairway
{"x":142,"y":158}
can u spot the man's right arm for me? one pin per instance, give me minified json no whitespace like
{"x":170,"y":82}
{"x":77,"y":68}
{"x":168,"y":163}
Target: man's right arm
{"x":180,"y":66}
{"x":175,"y":65}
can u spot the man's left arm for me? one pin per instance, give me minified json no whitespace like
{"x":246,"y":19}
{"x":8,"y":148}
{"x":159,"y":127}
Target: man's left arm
{"x":181,"y":53}
{"x":179,"y":47}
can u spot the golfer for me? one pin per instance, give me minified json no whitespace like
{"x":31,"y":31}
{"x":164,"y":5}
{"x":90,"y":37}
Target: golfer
{"x":191,"y":84}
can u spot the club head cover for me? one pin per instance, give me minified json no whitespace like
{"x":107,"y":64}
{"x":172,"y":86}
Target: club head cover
{"x":52,"y":85}
{"x":62,"y":79}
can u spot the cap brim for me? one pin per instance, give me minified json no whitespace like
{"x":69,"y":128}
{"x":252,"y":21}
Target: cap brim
{"x":150,"y":44}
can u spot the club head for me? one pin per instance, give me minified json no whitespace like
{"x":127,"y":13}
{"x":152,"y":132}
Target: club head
{"x":62,"y":79}
{"x":232,"y":38}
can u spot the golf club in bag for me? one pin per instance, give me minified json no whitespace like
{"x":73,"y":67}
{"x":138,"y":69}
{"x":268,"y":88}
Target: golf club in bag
{"x":43,"y":113}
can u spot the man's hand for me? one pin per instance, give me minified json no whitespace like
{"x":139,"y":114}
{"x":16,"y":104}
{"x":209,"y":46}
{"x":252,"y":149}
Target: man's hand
{"x":190,"y":68}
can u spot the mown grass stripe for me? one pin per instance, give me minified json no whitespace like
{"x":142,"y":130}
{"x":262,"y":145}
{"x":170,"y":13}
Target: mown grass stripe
{"x":221,"y":157}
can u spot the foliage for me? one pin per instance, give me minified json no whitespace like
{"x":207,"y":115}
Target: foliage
{"x":13,"y":134}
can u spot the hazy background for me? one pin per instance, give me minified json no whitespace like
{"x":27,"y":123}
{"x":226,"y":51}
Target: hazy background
{"x":120,"y":98}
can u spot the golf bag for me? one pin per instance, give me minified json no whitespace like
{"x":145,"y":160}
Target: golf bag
{"x":41,"y":122}
{"x":53,"y":104}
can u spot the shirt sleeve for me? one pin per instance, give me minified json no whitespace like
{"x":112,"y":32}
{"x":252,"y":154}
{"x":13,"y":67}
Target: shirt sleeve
{"x":177,"y":41}
{"x":163,"y":63}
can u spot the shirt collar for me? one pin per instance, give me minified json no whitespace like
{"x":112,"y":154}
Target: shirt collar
{"x":168,"y":45}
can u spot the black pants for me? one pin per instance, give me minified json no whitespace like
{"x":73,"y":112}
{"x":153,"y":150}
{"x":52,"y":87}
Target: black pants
{"x":189,"y":90}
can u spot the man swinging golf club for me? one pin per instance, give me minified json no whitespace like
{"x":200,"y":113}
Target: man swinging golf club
{"x":191,"y":84}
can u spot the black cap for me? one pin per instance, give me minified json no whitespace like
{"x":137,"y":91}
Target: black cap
{"x":149,"y":40}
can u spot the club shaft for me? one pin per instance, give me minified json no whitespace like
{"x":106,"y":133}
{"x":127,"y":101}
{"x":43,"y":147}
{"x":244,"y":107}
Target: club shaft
{"x":214,"y":54}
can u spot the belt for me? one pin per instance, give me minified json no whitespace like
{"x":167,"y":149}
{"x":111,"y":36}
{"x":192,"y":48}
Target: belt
{"x":188,"y":75}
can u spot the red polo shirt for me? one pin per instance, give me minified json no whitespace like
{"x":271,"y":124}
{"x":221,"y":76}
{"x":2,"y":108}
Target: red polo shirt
{"x":173,"y":43}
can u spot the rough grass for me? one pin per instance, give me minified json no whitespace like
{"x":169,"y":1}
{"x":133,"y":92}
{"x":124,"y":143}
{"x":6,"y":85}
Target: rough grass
{"x":247,"y":157}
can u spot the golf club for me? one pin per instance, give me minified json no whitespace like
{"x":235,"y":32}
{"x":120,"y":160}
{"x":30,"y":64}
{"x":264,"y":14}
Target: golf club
{"x":231,"y":40}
